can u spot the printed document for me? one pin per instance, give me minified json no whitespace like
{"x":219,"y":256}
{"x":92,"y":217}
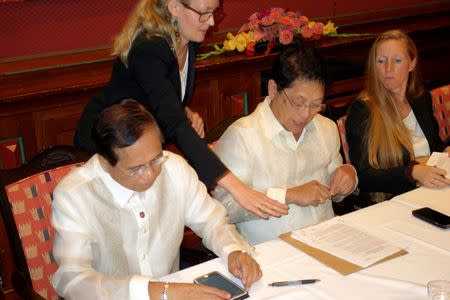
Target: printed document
{"x":346,"y":241}
{"x":440,"y":160}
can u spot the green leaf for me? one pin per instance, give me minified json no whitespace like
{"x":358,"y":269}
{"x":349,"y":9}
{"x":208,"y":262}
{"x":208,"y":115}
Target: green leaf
{"x":203,"y":56}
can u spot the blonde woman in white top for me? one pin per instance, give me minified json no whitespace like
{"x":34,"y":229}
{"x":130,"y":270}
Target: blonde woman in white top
{"x":392,"y":123}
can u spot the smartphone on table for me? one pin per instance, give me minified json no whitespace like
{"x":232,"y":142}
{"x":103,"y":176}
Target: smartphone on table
{"x":217,"y":280}
{"x":432,"y":216}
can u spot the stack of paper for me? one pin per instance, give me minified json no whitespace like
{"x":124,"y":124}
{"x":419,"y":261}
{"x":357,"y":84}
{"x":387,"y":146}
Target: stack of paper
{"x":440,"y":160}
{"x":347,"y":242}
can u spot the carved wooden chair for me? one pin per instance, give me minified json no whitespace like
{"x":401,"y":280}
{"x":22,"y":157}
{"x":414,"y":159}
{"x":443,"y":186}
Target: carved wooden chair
{"x":344,"y":144}
{"x":25,"y":201}
{"x":441,"y":107}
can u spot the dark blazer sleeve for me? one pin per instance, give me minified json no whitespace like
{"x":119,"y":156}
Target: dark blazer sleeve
{"x":393,"y":180}
{"x":154,"y":68}
{"x":423,"y":110}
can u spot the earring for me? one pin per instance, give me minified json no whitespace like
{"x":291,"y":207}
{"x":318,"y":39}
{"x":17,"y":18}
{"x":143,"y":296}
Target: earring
{"x":176,"y":30}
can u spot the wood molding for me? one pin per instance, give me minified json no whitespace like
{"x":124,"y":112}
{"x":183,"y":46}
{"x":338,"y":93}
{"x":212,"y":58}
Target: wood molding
{"x":377,"y":15}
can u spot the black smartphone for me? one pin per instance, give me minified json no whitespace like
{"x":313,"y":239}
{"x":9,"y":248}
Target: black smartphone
{"x":217,"y":280}
{"x":432,"y":216}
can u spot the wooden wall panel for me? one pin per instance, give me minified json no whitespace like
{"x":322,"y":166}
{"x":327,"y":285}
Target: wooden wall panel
{"x":357,"y":6}
{"x":57,"y":126}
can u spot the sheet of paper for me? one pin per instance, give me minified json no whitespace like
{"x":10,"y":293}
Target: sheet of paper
{"x":346,"y":241}
{"x":429,"y":234}
{"x":440,"y":160}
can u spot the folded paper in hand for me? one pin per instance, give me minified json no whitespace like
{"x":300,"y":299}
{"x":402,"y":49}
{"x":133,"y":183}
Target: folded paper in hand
{"x":440,"y":160}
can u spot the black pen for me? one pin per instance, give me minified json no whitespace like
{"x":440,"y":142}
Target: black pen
{"x":294,"y":282}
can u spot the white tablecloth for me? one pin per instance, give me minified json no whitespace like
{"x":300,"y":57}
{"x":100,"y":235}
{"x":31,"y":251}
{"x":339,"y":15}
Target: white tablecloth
{"x":403,"y":278}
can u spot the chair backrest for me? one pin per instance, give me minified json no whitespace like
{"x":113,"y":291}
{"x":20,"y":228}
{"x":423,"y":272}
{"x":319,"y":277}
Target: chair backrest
{"x":26,"y":202}
{"x":341,"y":127}
{"x":441,"y":108}
{"x":214,"y":134}
{"x":239,"y":108}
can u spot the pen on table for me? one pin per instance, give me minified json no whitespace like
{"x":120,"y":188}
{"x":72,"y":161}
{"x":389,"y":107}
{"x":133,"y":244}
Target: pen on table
{"x":294,"y":282}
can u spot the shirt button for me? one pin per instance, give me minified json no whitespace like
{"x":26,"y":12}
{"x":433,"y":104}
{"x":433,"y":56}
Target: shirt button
{"x":142,"y":214}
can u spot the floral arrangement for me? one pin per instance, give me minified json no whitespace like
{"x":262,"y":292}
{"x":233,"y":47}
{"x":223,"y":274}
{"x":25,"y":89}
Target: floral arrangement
{"x":272,"y":26}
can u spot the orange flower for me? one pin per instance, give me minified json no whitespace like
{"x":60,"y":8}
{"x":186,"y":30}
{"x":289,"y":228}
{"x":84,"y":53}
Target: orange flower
{"x":286,"y":20}
{"x":317,"y":29}
{"x":306,"y":32}
{"x":276,"y":12}
{"x":250,"y":49}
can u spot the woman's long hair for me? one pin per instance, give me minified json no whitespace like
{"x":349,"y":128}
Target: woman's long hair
{"x":149,"y":16}
{"x":387,"y":135}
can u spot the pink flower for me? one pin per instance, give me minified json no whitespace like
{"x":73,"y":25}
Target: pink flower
{"x":254,"y":16}
{"x":244,"y":28}
{"x":292,"y":14}
{"x":267,"y":21}
{"x":274,"y":25}
{"x":253,"y":24}
{"x":264,"y":13}
{"x":303,"y":20}
{"x":306,"y":32}
{"x":285,"y":20}
{"x":286,"y":37}
{"x":258,"y":34}
{"x":277,"y":13}
{"x":317,"y":30}
{"x":277,"y":10}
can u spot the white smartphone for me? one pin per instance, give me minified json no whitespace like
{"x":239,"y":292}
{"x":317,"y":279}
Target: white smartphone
{"x":217,"y":280}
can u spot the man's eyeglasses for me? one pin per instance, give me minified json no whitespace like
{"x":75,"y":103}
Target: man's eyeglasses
{"x":141,"y":170}
{"x":313,"y":107}
{"x":205,"y":16}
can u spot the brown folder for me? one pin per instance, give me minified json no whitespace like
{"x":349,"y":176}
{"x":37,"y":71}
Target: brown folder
{"x":342,"y":266}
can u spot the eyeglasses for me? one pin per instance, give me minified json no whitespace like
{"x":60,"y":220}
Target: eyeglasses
{"x":205,"y":16}
{"x":143,"y":169}
{"x":313,"y":107}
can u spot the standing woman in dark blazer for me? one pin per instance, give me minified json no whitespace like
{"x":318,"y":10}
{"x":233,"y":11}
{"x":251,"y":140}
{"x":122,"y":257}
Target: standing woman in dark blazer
{"x":156,"y":53}
{"x":392,"y":123}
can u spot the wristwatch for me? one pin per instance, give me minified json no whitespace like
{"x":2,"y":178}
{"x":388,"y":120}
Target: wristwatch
{"x":165,"y":290}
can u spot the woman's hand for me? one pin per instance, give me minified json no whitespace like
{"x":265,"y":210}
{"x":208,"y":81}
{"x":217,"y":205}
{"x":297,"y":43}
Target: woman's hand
{"x":447,"y":149}
{"x":251,"y":200}
{"x":430,"y":176}
{"x":196,"y":121}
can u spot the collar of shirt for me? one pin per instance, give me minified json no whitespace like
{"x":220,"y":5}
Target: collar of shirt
{"x":273,"y":128}
{"x":120,"y":194}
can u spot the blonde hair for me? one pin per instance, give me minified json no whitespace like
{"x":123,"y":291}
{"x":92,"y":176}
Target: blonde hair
{"x":151,"y":17}
{"x":387,"y":135}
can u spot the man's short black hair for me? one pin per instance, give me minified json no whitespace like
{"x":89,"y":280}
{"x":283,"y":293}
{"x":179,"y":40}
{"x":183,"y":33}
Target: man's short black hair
{"x":120,"y":126}
{"x":298,"y":62}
